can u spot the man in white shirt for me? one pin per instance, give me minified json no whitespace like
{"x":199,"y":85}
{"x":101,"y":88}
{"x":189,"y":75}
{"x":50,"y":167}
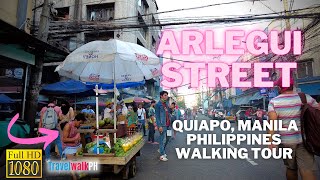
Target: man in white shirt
{"x":142,"y":117}
{"x":108,"y":111}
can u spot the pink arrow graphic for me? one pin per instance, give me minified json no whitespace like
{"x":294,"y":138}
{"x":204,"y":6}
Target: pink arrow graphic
{"x":51,"y":135}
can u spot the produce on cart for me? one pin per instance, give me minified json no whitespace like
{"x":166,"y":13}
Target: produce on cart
{"x":116,"y":62}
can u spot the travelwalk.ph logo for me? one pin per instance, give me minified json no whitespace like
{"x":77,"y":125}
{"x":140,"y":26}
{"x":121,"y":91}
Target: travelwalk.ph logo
{"x":66,"y":166}
{"x":23,"y":163}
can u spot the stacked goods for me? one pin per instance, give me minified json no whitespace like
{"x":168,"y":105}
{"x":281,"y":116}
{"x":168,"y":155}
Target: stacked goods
{"x":124,"y":145}
{"x":105,"y":123}
{"x":90,"y":117}
{"x":79,"y":152}
{"x":103,"y":148}
{"x":118,"y":148}
{"x":108,"y":121}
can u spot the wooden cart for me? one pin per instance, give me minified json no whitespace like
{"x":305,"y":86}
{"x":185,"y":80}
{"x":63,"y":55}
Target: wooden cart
{"x":127,"y":165}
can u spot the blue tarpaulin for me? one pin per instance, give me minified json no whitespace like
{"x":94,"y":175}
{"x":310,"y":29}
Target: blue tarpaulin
{"x":312,"y":89}
{"x":65,"y":87}
{"x":119,"y":85}
{"x":5,"y":99}
{"x":76,"y":87}
{"x":91,"y":102}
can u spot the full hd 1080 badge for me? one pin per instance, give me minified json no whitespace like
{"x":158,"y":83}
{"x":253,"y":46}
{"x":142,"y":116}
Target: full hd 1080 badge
{"x":24,"y":163}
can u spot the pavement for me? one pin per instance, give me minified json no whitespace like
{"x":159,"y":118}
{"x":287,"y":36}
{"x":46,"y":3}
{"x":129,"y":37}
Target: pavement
{"x":150,"y":167}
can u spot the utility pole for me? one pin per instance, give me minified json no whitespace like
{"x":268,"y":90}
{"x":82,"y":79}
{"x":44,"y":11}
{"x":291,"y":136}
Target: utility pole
{"x":287,"y":13}
{"x":36,"y":70}
{"x":288,"y":27}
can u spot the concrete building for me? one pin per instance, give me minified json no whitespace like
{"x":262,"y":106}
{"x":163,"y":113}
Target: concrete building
{"x":112,"y":13}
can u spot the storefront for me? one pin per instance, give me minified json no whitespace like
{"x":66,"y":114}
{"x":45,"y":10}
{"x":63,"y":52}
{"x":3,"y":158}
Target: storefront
{"x":18,"y":51}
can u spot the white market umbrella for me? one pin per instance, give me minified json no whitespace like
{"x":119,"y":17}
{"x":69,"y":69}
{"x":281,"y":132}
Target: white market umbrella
{"x":95,"y":61}
{"x":112,"y":61}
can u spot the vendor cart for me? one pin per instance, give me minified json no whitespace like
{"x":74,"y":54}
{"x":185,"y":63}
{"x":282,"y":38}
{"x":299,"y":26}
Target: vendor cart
{"x":108,"y":162}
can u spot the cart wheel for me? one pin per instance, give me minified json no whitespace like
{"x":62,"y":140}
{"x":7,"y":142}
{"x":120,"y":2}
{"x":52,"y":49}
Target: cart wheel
{"x":125,"y":172}
{"x":133,"y":168}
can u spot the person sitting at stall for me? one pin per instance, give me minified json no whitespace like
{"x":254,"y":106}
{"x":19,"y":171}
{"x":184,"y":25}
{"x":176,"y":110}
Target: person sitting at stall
{"x":71,"y":138}
{"x":88,"y":110}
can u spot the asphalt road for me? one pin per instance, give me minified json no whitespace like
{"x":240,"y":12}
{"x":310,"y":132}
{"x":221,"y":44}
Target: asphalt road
{"x":149,"y":166}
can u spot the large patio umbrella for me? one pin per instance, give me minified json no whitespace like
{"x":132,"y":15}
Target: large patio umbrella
{"x":112,"y":61}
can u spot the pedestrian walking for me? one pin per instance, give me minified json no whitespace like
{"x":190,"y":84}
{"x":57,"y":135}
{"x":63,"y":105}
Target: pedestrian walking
{"x":162,"y":120}
{"x":174,"y":115}
{"x":49,"y":120}
{"x":287,"y":107}
{"x":142,"y":118}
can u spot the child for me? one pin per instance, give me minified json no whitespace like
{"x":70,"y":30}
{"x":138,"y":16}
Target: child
{"x":152,"y":123}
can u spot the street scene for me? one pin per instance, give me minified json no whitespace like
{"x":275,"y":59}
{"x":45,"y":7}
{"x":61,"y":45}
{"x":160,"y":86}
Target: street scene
{"x":160,"y":89}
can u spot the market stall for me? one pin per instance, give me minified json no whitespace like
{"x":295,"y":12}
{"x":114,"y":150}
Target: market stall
{"x":113,"y":62}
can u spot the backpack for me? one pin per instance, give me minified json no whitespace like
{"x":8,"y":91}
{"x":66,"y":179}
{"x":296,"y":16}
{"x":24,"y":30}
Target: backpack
{"x":310,"y":123}
{"x":50,"y":119}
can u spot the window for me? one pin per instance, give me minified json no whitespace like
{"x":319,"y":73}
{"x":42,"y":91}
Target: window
{"x":100,"y":12}
{"x":305,"y":68}
{"x":104,"y":36}
{"x":61,"y":14}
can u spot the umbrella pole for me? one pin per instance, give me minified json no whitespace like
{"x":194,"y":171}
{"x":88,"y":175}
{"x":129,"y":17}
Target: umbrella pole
{"x":97,"y":117}
{"x":115,"y":102}
{"x":75,"y":102}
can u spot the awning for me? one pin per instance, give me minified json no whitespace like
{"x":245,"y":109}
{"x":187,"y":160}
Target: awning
{"x":312,"y":89}
{"x":256,"y":96}
{"x":227,"y":103}
{"x":242,"y":100}
{"x":65,"y":87}
{"x":5,"y":99}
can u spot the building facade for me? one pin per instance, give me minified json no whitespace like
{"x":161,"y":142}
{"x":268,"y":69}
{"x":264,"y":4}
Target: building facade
{"x":113,"y":13}
{"x":74,"y":24}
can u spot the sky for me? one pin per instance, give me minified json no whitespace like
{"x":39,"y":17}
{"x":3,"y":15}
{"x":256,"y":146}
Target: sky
{"x":236,"y":9}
